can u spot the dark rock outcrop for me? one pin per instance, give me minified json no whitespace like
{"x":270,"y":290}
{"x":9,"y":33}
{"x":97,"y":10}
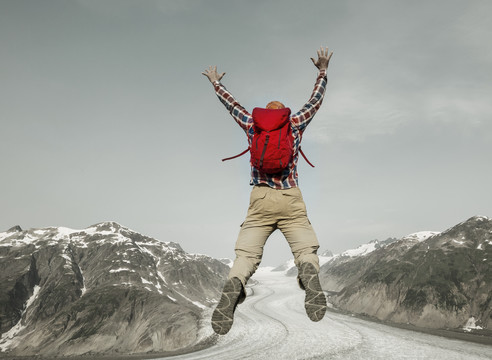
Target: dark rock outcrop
{"x":102,"y":290}
{"x":441,"y":281}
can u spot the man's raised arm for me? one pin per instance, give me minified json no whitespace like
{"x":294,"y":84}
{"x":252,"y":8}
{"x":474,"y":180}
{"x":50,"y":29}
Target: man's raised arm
{"x":240,"y":115}
{"x":302,"y":118}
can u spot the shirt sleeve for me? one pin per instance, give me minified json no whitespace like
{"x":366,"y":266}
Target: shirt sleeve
{"x":303,"y":117}
{"x":240,"y":115}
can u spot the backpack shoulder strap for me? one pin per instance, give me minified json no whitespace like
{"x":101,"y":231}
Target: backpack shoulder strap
{"x":304,"y":156}
{"x":236,"y":156}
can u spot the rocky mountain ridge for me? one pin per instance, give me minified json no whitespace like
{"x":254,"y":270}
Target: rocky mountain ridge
{"x":428,"y":279}
{"x":328,"y":257}
{"x":102,"y":290}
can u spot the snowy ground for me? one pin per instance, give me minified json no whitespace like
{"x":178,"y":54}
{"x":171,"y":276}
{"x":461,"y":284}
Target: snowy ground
{"x":271,"y":324}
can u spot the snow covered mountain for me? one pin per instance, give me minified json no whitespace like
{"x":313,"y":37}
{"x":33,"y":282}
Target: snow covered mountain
{"x":290,"y":269}
{"x":328,"y":257}
{"x":429,"y":279}
{"x":104,"y":289}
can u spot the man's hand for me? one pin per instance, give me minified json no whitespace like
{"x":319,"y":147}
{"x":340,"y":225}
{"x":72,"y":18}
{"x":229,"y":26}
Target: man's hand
{"x":212,"y":74}
{"x":323,"y":59}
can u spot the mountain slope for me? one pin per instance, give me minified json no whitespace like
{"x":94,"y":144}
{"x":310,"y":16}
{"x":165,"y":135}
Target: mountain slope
{"x":440,"y":280}
{"x":104,"y":289}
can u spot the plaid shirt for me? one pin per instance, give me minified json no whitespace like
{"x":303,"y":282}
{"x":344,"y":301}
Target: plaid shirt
{"x":288,"y":177}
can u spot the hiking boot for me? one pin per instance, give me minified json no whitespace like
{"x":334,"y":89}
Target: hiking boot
{"x":315,"y":301}
{"x":223,"y":316}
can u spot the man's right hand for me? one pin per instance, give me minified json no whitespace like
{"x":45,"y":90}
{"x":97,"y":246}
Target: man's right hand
{"x":323,"y":59}
{"x":212,"y":74}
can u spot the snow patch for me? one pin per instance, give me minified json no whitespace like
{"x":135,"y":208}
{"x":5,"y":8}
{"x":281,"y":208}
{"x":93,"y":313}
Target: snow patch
{"x":26,"y":240}
{"x":147,"y":244}
{"x":120,"y":269}
{"x":471,"y":325}
{"x":286,"y":266}
{"x":145,"y":250}
{"x":458,"y":242}
{"x":111,"y":237}
{"x":159,"y":273}
{"x":361,"y":250}
{"x":482,"y":218}
{"x":324,"y":259}
{"x":4,"y":235}
{"x":63,"y":233}
{"x":144,"y":281}
{"x":421,"y":235}
{"x":161,"y":277}
{"x":227,"y":261}
{"x":80,"y":243}
{"x":158,"y":286}
{"x":84,"y":288}
{"x":196,"y":303}
{"x":33,"y":297}
{"x":8,"y":338}
{"x":66,"y":257}
{"x":118,"y":239}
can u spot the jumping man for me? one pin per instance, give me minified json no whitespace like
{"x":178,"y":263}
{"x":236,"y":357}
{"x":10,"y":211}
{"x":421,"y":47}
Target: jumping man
{"x":276,"y":201}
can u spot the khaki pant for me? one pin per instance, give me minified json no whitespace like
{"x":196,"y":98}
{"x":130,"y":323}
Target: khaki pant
{"x":271,"y":209}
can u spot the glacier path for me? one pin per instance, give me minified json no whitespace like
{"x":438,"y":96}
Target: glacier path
{"x":272,"y":324}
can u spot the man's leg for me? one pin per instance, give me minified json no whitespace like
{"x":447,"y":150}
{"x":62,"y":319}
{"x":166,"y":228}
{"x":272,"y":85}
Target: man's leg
{"x":304,"y":244}
{"x":255,"y":230}
{"x":249,"y":250}
{"x":297,"y":229}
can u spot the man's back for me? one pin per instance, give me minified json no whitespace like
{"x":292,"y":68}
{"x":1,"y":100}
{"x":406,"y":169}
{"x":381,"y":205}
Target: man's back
{"x":300,"y":120}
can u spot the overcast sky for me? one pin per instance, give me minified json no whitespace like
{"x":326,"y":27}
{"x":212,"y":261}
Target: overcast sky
{"x":105,"y":115}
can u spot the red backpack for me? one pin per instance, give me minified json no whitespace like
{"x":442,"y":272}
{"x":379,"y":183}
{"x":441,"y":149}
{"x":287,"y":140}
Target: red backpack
{"x":272,"y":146}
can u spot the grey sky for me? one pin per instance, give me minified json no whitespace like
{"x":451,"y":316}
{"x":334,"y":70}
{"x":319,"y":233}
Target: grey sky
{"x":105,"y":115}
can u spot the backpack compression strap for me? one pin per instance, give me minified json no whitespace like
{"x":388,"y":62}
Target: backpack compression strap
{"x":245,"y":151}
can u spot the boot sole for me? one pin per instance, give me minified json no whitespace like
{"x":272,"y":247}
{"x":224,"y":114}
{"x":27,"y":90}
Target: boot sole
{"x":315,"y":301}
{"x":223,"y":315}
